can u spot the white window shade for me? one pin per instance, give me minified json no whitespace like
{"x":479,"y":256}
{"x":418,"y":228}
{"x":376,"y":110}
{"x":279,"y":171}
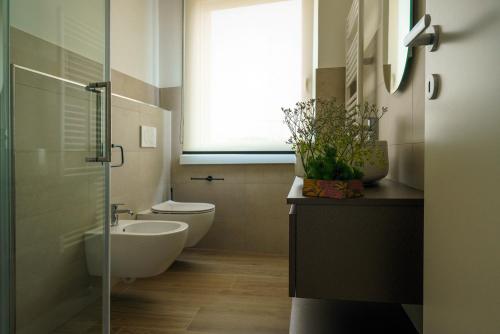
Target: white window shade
{"x":244,"y":61}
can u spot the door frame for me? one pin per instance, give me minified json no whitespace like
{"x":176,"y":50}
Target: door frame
{"x":7,"y":189}
{"x":7,"y":301}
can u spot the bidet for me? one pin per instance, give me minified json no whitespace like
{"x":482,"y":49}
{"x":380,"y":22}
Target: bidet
{"x":139,"y":248}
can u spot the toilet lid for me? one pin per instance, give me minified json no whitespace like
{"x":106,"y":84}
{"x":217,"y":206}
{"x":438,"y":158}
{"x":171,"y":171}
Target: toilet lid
{"x":179,"y":207}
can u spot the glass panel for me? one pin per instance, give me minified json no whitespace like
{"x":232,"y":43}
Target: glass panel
{"x":5,"y":178}
{"x":66,"y":38}
{"x":58,"y":47}
{"x":59,"y":198}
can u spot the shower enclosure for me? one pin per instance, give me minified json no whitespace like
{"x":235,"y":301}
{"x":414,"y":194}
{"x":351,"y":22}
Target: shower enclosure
{"x":55,"y":148}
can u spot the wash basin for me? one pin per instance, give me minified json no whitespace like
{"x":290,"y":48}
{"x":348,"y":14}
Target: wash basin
{"x":139,"y":248}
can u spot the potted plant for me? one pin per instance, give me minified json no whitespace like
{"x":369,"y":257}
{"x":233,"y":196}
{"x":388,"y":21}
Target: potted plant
{"x":333,"y":144}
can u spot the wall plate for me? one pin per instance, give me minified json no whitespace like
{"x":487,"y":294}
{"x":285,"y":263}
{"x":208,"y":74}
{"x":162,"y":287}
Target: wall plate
{"x":148,"y":136}
{"x":432,"y":86}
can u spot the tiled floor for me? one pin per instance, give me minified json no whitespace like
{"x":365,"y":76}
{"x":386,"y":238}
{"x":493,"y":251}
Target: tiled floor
{"x":215,"y":292}
{"x":207,"y":292}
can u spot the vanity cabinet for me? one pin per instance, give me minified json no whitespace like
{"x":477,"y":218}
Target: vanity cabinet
{"x":364,"y":249}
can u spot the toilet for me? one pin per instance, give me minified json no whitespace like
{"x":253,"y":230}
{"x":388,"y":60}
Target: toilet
{"x":199,"y":217}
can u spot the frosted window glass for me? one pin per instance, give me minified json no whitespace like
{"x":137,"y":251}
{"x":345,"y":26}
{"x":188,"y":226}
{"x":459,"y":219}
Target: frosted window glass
{"x":243,"y":62}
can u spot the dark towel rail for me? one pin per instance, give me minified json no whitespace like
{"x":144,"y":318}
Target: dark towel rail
{"x":209,"y":178}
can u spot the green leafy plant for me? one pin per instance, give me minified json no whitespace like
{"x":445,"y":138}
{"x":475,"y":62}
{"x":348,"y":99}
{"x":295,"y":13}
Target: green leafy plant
{"x":327,"y":166}
{"x":333,"y":143}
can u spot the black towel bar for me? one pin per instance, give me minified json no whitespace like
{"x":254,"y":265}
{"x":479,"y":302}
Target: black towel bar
{"x":209,"y":178}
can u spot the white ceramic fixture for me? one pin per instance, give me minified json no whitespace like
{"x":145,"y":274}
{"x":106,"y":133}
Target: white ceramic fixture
{"x":371,"y":172}
{"x":139,"y":248}
{"x":199,"y":217}
{"x":375,"y":172}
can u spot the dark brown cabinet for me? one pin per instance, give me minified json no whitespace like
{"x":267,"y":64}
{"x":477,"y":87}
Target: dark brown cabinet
{"x":366,"y":249}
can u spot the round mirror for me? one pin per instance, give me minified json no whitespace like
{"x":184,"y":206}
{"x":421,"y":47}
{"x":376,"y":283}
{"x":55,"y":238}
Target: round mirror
{"x":397,"y":22}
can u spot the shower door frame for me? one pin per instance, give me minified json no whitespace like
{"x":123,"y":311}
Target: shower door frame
{"x":106,"y":292}
{"x":7,"y":189}
{"x":7,"y":314}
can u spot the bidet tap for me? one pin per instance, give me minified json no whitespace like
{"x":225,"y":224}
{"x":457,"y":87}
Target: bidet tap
{"x":115,"y":212}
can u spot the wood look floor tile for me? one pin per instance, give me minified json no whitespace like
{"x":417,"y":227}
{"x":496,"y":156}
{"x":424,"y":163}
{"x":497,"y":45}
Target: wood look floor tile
{"x":219,"y":292}
{"x":204,"y":292}
{"x":153,"y":316}
{"x":185,"y":280}
{"x":231,"y":263}
{"x":228,"y":319}
{"x":139,"y":330}
{"x":262,"y":286}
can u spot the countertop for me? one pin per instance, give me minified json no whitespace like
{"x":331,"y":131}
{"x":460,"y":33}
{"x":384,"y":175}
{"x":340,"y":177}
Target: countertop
{"x":385,"y":192}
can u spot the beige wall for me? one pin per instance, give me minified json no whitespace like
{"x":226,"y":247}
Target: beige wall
{"x":329,"y":45}
{"x":134,"y":38}
{"x":251,"y":211}
{"x":330,"y":27}
{"x":146,"y":45}
{"x":128,"y":86}
{"x":330,"y":83}
{"x":144,"y":180}
{"x":403,"y":125}
{"x":171,"y":20}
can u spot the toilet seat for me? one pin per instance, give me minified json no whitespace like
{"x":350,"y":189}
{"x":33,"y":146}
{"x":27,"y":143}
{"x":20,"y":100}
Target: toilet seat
{"x":198,"y":216}
{"x":182,"y":208}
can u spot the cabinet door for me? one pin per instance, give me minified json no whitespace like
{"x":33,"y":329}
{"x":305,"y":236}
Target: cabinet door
{"x":359,"y":253}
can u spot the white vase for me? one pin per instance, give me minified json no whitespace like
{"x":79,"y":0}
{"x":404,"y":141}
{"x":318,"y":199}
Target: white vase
{"x":377,"y":171}
{"x":371,"y":173}
{"x":299,"y":167}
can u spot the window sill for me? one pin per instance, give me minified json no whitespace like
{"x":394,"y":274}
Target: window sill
{"x":236,"y":159}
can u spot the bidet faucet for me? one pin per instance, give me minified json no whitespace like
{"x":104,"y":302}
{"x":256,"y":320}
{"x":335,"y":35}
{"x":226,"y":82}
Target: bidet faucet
{"x":115,"y":212}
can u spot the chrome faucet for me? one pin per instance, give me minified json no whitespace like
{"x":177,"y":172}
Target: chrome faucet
{"x":115,"y":212}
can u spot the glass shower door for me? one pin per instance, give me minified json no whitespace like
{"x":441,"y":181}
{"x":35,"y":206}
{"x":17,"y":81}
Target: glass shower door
{"x":5,"y":176}
{"x":60,"y":105}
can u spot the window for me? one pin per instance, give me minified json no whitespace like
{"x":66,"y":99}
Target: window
{"x":244,"y":60}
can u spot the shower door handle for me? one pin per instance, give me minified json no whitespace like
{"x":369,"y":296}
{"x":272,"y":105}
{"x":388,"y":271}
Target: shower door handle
{"x":103,"y":142}
{"x":122,"y":156}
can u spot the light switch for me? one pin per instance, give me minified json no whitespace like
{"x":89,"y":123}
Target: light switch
{"x":148,"y":136}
